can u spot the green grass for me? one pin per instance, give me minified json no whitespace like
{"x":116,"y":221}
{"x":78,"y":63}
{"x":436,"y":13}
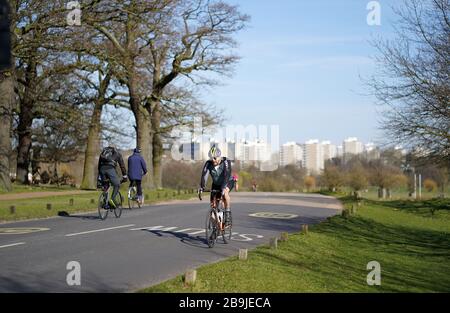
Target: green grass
{"x":20,"y":188}
{"x":37,"y":207}
{"x":411,"y":245}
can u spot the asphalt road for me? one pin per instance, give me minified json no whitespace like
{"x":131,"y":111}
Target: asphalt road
{"x":143,"y":247}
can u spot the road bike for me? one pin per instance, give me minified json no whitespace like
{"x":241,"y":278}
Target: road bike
{"x":133,"y":200}
{"x":216,"y":226}
{"x":104,"y":206}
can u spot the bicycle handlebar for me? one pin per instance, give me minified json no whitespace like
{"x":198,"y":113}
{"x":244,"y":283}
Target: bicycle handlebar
{"x":199,"y":192}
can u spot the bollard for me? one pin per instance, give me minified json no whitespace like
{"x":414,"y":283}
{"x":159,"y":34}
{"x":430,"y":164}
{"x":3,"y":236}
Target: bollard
{"x":190,"y":277}
{"x":273,"y":243}
{"x":166,"y":195}
{"x":71,"y":202}
{"x":305,"y":229}
{"x":345,"y":213}
{"x":12,"y":209}
{"x":158,"y":195}
{"x":49,"y":206}
{"x":284,"y":236}
{"x":243,"y":253}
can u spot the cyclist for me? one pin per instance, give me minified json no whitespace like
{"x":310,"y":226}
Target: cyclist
{"x":107,"y":162}
{"x":136,"y":169}
{"x":220,"y":170}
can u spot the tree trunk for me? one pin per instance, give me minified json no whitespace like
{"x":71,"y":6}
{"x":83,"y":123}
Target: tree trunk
{"x":25,"y":123}
{"x":157,"y":145}
{"x":6,"y":101}
{"x":92,"y":149}
{"x":144,"y":142}
{"x":143,"y":127}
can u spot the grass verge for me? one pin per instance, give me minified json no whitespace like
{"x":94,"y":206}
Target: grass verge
{"x":410,"y":243}
{"x":86,"y":202}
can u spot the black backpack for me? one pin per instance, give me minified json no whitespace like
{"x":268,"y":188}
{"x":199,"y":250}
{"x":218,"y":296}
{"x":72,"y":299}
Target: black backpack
{"x":107,"y":156}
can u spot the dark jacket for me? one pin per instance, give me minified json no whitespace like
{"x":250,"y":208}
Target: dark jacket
{"x":116,"y":159}
{"x":136,"y":167}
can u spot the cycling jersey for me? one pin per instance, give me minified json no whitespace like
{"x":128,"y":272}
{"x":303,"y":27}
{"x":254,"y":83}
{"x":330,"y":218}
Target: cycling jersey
{"x":220,"y":174}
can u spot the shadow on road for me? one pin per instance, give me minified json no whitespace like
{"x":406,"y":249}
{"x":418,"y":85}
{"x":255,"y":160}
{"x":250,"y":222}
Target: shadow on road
{"x":196,"y":241}
{"x":83,"y":217}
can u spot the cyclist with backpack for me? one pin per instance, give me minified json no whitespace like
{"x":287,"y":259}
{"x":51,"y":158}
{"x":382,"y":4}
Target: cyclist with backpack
{"x":107,"y":162}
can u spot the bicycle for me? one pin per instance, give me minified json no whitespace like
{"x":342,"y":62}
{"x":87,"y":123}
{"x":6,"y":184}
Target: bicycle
{"x":103,"y":202}
{"x":215,"y":226}
{"x":132,"y":196}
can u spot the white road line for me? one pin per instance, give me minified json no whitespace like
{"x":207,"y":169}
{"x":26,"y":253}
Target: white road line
{"x":156,"y":228}
{"x":196,"y":231}
{"x":99,"y":230}
{"x":12,"y":245}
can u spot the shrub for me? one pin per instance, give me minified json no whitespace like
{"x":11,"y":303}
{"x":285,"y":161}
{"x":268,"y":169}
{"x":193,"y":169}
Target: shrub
{"x":430,"y":185}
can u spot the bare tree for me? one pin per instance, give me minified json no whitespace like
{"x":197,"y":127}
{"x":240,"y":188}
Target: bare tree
{"x":413,"y":79}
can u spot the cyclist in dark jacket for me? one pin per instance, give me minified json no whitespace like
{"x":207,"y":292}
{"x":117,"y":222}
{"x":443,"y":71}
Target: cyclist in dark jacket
{"x":136,"y":169}
{"x":107,"y":162}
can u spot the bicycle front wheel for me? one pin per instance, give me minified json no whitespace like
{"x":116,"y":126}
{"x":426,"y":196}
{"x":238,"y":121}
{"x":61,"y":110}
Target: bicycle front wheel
{"x":228,"y":227}
{"x":118,"y":209}
{"x":102,"y":202}
{"x":211,"y":229}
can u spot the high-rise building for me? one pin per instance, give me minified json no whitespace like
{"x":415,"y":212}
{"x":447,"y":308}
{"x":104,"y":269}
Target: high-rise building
{"x":291,"y":153}
{"x":329,"y":150}
{"x":371,"y":151}
{"x":313,"y":157}
{"x":352,"y":146}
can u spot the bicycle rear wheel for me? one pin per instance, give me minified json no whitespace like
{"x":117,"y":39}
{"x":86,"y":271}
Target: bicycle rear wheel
{"x":102,"y":202}
{"x":118,"y":208}
{"x":222,"y":231}
{"x":132,"y":194}
{"x":211,"y":229}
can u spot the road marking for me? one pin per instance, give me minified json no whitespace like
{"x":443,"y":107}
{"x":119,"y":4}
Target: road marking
{"x":196,"y":231}
{"x":12,"y":245}
{"x":191,"y":231}
{"x":21,"y":230}
{"x":273,"y":215}
{"x":99,"y":230}
{"x":160,"y":228}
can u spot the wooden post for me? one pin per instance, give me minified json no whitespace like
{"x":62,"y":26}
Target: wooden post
{"x":273,"y":243}
{"x":49,"y":206}
{"x":243,"y":253}
{"x":305,"y":229}
{"x":12,"y":209}
{"x":158,"y":195}
{"x":190,"y":277}
{"x":71,"y":202}
{"x":284,"y":236}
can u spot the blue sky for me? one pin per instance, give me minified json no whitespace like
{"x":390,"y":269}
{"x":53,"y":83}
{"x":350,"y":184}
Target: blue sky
{"x":300,"y":68}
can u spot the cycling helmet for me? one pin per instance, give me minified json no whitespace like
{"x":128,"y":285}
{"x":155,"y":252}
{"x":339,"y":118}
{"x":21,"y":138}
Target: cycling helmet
{"x":137,"y":150}
{"x":214,"y":152}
